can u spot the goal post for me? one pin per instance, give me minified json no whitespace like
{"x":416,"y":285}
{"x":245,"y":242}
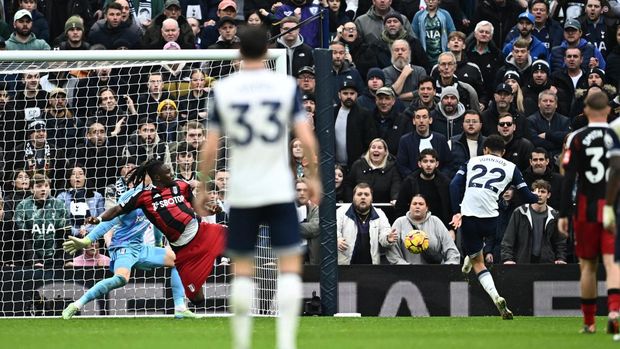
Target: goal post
{"x":83,"y":119}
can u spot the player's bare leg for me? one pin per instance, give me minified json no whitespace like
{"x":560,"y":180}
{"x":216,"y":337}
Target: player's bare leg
{"x":241,"y":295}
{"x":486,"y":280}
{"x":612,"y":271}
{"x":289,"y":300}
{"x":587,"y":284}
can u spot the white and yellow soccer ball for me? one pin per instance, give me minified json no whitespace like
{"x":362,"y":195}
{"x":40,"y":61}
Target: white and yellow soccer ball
{"x":416,"y":241}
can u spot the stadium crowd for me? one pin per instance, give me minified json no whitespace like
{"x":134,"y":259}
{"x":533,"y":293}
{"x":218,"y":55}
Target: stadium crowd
{"x":419,"y":86}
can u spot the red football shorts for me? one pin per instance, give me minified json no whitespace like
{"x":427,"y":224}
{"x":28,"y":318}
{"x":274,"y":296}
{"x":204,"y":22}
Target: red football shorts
{"x":195,"y":260}
{"x":591,"y":240}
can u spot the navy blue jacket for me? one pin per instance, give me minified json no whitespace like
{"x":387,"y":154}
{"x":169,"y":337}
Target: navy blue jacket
{"x":409,"y":151}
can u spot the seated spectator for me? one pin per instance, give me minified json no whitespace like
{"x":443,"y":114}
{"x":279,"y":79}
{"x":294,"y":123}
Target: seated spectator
{"x":308,"y":214}
{"x":378,"y":169}
{"x":193,"y":134}
{"x":425,"y":96}
{"x":596,"y":78}
{"x":448,"y":115}
{"x":111,"y":29}
{"x":502,"y":105}
{"x":525,"y":26}
{"x":338,"y":183}
{"x":375,"y":80}
{"x":299,"y":162}
{"x":298,"y":53}
{"x":45,"y":221}
{"x":28,"y":104}
{"x":573,"y":76}
{"x":228,"y":39}
{"x":547,"y":127}
{"x":85,"y":98}
{"x":342,"y":69}
{"x":305,"y":10}
{"x":214,"y":199}
{"x":513,"y":79}
{"x":370,"y":24}
{"x":532,"y":235}
{"x":393,"y":29}
{"x":337,"y":15}
{"x":519,"y":60}
{"x":305,"y":79}
{"x":81,"y":200}
{"x":155,"y":31}
{"x":91,"y":257}
{"x":403,"y":76}
{"x":468,"y":144}
{"x":441,"y":246}
{"x":185,"y":165}
{"x":361,"y":229}
{"x":484,"y":53}
{"x":23,"y":38}
{"x":193,"y":106}
{"x":590,"y":54}
{"x":119,"y":121}
{"x":507,"y":203}
{"x":540,"y":81}
{"x":147,"y":103}
{"x":447,"y":78}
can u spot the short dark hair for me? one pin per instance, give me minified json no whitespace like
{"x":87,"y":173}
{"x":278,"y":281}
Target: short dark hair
{"x":473,"y":112}
{"x":253,"y":41}
{"x":362,"y":185}
{"x":541,"y":184}
{"x":427,"y":79}
{"x":495,"y":143}
{"x":418,"y":195}
{"x":540,"y":150}
{"x":39,"y":178}
{"x":114,"y":6}
{"x":597,"y":101}
{"x":421,"y":107}
{"x":428,"y":151}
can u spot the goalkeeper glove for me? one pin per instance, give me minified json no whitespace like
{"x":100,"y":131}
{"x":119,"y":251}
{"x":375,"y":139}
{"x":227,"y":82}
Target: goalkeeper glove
{"x":75,"y":244}
{"x":609,"y":218}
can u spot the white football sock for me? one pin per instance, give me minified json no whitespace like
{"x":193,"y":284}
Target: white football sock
{"x":486,"y":280}
{"x":241,"y":295}
{"x":289,"y":305}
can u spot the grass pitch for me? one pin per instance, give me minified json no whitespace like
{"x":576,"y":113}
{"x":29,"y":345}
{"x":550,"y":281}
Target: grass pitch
{"x":315,"y":333}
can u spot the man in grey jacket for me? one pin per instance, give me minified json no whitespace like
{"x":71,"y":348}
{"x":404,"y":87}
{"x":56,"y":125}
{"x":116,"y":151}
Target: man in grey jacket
{"x":370,"y":25}
{"x":308,"y":214}
{"x":402,"y":75}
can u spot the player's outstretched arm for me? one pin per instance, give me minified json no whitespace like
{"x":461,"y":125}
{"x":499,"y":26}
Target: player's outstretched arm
{"x":206,"y":163}
{"x":522,"y":188}
{"x":304,"y":132}
{"x":108,"y":215}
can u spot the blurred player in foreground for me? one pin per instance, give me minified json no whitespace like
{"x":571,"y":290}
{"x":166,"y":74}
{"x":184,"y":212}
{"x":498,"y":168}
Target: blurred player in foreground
{"x":255,"y":107}
{"x":475,"y":190}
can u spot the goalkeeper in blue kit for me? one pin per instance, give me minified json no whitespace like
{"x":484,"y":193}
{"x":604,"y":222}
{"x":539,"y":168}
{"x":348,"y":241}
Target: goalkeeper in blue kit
{"x":128,"y":251}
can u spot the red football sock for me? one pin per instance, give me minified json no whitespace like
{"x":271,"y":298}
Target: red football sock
{"x":588,"y":308}
{"x":613,"y":299}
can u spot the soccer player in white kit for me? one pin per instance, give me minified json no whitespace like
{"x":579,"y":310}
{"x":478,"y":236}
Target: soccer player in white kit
{"x":474,"y":192}
{"x":255,"y":108}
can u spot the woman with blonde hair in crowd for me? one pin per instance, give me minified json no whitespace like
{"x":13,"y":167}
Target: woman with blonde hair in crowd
{"x":513,"y":79}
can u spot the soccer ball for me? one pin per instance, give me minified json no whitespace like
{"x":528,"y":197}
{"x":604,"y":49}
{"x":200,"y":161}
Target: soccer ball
{"x":416,"y":241}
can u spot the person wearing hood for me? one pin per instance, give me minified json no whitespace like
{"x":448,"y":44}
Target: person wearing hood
{"x":393,"y":29}
{"x":377,"y":168}
{"x":370,"y":25}
{"x":110,"y":29}
{"x":447,"y":78}
{"x":591,"y":56}
{"x":298,"y":54}
{"x":518,"y":60}
{"x":402,"y":75}
{"x":448,"y":115}
{"x":342,"y":68}
{"x":23,"y":38}
{"x":526,"y":27}
{"x":441,"y":246}
{"x":595,"y":78}
{"x":540,"y":81}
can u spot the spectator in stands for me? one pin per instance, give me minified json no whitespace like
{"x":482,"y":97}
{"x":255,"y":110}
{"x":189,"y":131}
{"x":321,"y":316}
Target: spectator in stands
{"x":167,"y":121}
{"x":354,"y":126}
{"x":40,"y":26}
{"x":540,"y":81}
{"x":541,"y":169}
{"x":441,"y":246}
{"x":378,"y":169}
{"x":467,"y":144}
{"x":532,"y":235}
{"x":513,"y":79}
{"x":613,"y":60}
{"x":170,"y":32}
{"x":596,"y":79}
{"x":61,"y":123}
{"x":419,"y":139}
{"x":87,"y":90}
{"x":360,"y":229}
{"x":193,"y":133}
{"x":432,"y":26}
{"x":148,"y":102}
{"x":91,"y":257}
{"x":375,"y":80}
{"x":12,"y":239}
{"x":363,"y":54}
{"x":525,"y":27}
{"x":114,"y":191}
{"x":338,"y":183}
{"x":146,"y":144}
{"x":390,"y":123}
{"x":119,"y":122}
{"x":393,"y":29}
{"x":337,"y":15}
{"x":370,"y":25}
{"x":448,"y":115}
{"x":546,"y":29}
{"x":154,"y":32}
{"x":45,"y":220}
{"x":23,"y":38}
{"x":507,"y":203}
{"x":428,"y":181}
{"x":80,"y":199}
{"x":519,"y":60}
{"x":481,"y":50}
{"x":74,"y":35}
{"x":598,"y":27}
{"x":221,"y":181}
{"x":465,"y":71}
{"x":342,"y":69}
{"x":502,"y":14}
{"x":402,"y":75}
{"x":192,"y":107}
{"x":37,"y":154}
{"x":185,"y":165}
{"x":299,"y":162}
{"x":573,"y":75}
{"x":298,"y":53}
{"x":425,"y":96}
{"x":111,"y":29}
{"x":518,"y":149}
{"x":306,"y":79}
{"x":129,"y":17}
{"x":99,"y":154}
{"x":7,"y":119}
{"x":209,"y":33}
{"x":227,"y":27}
{"x":447,"y":68}
{"x":591,"y":56}
{"x":196,"y":29}
{"x":309,"y":229}
{"x":547,"y":127}
{"x":220,"y":217}
{"x":501,"y":105}
{"x":29,"y":104}
{"x":306,"y":9}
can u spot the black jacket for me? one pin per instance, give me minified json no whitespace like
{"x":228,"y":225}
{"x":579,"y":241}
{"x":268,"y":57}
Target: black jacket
{"x":413,"y":185}
{"x":391,"y":128}
{"x":502,"y":18}
{"x":361,"y":129}
{"x":460,"y":151}
{"x":490,"y":119}
{"x":385,"y":182}
{"x":152,"y":36}
{"x":518,"y":151}
{"x":554,"y":178}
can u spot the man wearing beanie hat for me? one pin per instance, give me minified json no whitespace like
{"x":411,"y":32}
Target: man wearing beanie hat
{"x":436,"y":39}
{"x":370,"y":24}
{"x":573,"y":75}
{"x":393,"y":29}
{"x":402,"y":75}
{"x":167,"y":120}
{"x":448,"y":115}
{"x":540,"y":81}
{"x":73,"y":35}
{"x":375,"y":79}
{"x":526,"y":27}
{"x":447,"y":67}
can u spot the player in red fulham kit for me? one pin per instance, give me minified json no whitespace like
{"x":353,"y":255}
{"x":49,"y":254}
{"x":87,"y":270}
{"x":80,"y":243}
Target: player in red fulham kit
{"x":586,"y":161}
{"x":166,"y":203}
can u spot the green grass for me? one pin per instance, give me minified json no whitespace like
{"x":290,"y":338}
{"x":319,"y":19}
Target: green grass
{"x":319,"y":333}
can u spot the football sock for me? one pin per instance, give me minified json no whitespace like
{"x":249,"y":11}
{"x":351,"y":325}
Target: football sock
{"x":101,"y":288}
{"x":241,"y":294}
{"x":486,"y":280}
{"x":613,"y":299}
{"x":178,"y":293}
{"x":289,"y":305}
{"x":588,"y":308}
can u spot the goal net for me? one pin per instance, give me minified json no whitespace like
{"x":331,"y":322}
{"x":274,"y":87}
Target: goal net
{"x":74,"y":123}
